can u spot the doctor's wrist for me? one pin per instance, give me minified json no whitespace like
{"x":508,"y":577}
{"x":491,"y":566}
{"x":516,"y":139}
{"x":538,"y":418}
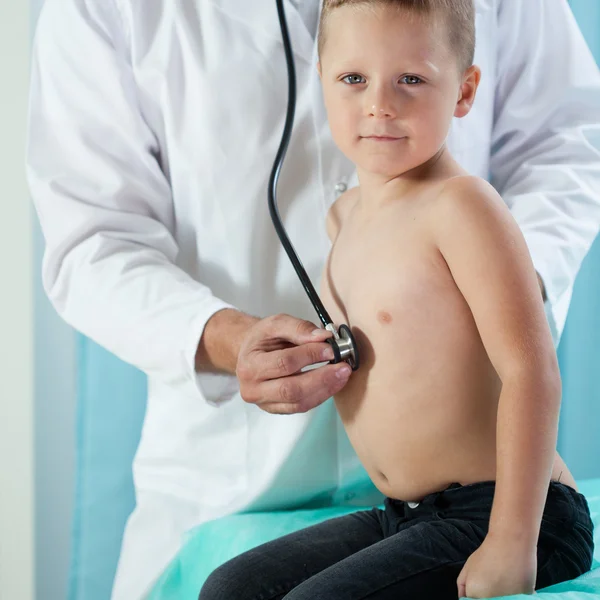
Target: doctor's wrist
{"x":221,"y":340}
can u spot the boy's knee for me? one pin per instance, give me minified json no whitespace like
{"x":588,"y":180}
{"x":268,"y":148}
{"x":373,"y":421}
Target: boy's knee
{"x":227,"y":582}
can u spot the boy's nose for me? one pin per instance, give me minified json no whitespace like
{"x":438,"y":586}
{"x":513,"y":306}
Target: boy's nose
{"x":380,"y":112}
{"x":381,"y":105}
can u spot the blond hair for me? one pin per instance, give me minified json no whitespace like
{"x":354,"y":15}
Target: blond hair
{"x":458,"y":17}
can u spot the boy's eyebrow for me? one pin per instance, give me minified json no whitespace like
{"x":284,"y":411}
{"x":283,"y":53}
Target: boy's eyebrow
{"x":349,"y":64}
{"x":432,"y":66}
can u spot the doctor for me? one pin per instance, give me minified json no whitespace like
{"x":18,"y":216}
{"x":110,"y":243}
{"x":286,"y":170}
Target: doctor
{"x":153,"y":129}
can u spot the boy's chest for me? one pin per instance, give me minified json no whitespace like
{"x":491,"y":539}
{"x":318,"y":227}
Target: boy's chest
{"x":385,"y":270}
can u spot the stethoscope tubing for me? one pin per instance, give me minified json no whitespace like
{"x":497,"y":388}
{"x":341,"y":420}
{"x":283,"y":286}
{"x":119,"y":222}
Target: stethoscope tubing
{"x":343,"y":342}
{"x":287,"y":134}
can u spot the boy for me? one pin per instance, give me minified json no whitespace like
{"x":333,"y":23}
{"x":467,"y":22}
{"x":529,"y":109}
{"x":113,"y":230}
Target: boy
{"x":454,"y":409}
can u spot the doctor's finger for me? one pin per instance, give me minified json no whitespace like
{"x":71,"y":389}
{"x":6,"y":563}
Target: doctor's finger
{"x":289,"y":361}
{"x":304,"y":391}
{"x":291,"y":329}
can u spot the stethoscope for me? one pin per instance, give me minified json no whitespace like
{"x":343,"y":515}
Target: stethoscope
{"x":342,"y":342}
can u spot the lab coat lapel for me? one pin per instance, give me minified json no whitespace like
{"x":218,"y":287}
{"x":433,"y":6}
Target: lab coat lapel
{"x":261,"y":15}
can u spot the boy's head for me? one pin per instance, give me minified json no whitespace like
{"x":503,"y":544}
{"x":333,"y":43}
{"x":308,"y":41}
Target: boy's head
{"x":396,"y":69}
{"x":456,"y":18}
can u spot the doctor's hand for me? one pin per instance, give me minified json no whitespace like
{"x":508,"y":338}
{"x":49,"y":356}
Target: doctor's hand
{"x":272,"y":354}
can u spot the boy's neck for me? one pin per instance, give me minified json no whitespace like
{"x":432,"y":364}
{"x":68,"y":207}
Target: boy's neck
{"x":377,"y":190}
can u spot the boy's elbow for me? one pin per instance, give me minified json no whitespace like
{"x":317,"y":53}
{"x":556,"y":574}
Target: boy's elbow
{"x":550,"y":372}
{"x":541,"y":375}
{"x":552,"y":383}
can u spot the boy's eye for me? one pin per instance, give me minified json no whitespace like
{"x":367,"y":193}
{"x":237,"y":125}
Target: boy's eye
{"x":354,"y":79}
{"x":412,"y":79}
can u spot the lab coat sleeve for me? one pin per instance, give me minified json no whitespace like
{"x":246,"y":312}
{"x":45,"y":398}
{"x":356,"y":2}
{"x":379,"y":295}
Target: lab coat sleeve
{"x":105,"y":204}
{"x":546,"y":140}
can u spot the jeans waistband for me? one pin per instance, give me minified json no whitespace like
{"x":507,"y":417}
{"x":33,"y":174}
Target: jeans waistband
{"x":481,"y":490}
{"x":456,"y":492}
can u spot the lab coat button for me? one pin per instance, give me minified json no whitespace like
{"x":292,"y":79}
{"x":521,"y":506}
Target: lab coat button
{"x":340,"y":187}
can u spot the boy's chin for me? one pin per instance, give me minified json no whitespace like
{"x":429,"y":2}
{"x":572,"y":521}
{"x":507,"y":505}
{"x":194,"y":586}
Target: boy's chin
{"x":388,"y":165}
{"x":381,"y":167}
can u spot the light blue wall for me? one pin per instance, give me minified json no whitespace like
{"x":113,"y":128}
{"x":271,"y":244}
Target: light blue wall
{"x":587,"y":13}
{"x":579,"y":350}
{"x":54,"y":430}
{"x":54,"y":423}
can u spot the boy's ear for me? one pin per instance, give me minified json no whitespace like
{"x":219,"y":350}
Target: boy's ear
{"x":468,"y":91}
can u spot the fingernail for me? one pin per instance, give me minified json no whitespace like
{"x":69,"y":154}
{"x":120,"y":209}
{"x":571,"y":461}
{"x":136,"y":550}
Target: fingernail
{"x":327,"y":354}
{"x":343,"y":372}
{"x":317,"y":332}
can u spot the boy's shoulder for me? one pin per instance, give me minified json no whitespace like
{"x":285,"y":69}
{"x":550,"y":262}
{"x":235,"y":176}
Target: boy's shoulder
{"x":465,"y":187}
{"x":339,"y":210}
{"x":466,"y":196}
{"x":468,"y":214}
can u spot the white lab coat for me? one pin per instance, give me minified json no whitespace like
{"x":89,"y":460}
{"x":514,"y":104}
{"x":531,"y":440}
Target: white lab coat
{"x":153,"y":128}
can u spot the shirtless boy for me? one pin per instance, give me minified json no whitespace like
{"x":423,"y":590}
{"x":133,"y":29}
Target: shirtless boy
{"x":454,"y":409}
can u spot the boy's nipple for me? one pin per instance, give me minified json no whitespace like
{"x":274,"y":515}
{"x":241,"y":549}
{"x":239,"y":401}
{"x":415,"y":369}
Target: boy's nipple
{"x":384,"y":317}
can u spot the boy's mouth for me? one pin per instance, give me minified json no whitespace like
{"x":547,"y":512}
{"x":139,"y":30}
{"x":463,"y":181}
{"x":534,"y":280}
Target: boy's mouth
{"x":382,"y":138}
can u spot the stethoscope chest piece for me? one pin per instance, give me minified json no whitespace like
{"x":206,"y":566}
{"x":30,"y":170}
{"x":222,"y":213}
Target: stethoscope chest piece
{"x":344,"y":346}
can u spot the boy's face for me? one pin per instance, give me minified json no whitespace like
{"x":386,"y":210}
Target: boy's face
{"x":390,"y":76}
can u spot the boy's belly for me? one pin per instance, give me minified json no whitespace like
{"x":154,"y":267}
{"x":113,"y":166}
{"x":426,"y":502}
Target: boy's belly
{"x":421,"y":409}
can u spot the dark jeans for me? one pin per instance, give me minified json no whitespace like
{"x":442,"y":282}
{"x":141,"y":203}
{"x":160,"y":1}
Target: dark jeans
{"x":401,"y":552}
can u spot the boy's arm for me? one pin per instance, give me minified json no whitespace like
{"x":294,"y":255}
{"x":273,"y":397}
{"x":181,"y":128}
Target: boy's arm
{"x":490,"y":262}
